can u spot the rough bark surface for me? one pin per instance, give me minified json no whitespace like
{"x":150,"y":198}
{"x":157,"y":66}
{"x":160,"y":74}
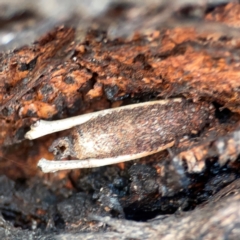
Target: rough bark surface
{"x":89,"y":58}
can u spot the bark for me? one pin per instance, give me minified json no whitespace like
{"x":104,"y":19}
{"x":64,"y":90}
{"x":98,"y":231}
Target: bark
{"x":87,"y":58}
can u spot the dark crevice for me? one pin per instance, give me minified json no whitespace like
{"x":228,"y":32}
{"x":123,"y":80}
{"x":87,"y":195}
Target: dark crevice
{"x":222,"y":114}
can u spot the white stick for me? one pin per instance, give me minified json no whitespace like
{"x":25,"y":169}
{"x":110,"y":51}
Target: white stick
{"x":53,"y":166}
{"x":42,"y":128}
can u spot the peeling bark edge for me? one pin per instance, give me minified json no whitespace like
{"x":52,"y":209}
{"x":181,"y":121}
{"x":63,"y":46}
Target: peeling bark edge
{"x":226,"y":148}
